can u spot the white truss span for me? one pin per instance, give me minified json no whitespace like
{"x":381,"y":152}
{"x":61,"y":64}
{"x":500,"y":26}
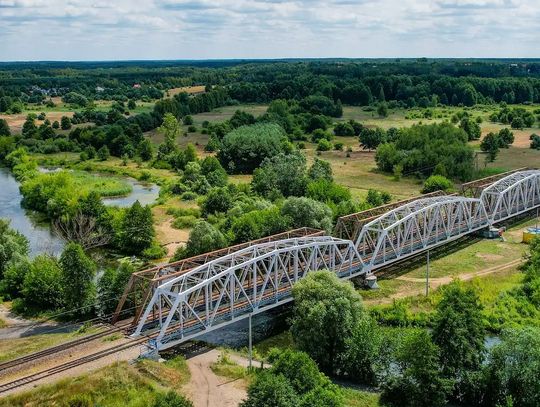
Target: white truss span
{"x":260,"y":277}
{"x":512,"y":195}
{"x":419,"y":225}
{"x":249,"y":281}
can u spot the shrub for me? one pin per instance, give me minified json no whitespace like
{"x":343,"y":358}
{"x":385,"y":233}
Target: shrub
{"x":437,"y":183}
{"x":324,"y":145}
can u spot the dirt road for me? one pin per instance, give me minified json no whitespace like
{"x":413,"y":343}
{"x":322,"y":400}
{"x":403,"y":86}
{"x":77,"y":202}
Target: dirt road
{"x":206,"y":389}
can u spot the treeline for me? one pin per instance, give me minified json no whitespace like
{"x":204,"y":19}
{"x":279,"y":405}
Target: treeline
{"x":408,"y":82}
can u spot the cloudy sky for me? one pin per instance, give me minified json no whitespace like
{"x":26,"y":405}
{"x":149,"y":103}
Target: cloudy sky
{"x":204,"y":29}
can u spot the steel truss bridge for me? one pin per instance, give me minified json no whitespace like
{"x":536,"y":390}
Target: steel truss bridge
{"x":193,"y":297}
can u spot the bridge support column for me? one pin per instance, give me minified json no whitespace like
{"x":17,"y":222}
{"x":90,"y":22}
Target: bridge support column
{"x":371,"y":282}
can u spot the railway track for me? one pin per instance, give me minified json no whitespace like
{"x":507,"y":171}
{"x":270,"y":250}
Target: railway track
{"x":33,"y":357}
{"x":69,"y":365}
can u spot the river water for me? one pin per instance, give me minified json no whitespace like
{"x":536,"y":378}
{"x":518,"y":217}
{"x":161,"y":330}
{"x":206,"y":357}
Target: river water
{"x":39,"y":233}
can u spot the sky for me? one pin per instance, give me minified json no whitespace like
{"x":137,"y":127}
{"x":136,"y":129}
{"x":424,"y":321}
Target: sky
{"x":223,"y":29}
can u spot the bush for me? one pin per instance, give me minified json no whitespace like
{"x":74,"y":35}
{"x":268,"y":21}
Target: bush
{"x":437,"y":183}
{"x":171,"y":399}
{"x":184,"y":222}
{"x":324,"y":145}
{"x":269,"y":390}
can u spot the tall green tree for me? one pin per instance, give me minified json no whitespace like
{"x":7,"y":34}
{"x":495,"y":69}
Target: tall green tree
{"x":42,"y":287}
{"x":490,"y":144}
{"x":137,"y":230}
{"x":77,"y":278}
{"x":170,"y":129}
{"x":513,"y":369}
{"x":416,"y":379}
{"x":4,"y":128}
{"x":459,"y":333}
{"x":326,"y":311}
{"x":14,"y":246}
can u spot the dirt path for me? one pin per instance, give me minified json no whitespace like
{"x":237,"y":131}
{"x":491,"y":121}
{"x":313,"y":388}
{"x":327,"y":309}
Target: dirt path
{"x":437,"y":282}
{"x":206,"y":389}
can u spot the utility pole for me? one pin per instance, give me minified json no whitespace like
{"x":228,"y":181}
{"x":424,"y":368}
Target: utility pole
{"x":427,"y":275}
{"x":250,"y":343}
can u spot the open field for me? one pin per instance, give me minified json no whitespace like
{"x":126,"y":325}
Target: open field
{"x":188,"y":89}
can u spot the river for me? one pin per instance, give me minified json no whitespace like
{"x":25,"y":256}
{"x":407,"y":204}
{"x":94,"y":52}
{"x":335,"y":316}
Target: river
{"x":39,"y":233}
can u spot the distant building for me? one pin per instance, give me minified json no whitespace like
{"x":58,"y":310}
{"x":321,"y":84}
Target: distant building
{"x":136,"y":86}
{"x":99,"y":89}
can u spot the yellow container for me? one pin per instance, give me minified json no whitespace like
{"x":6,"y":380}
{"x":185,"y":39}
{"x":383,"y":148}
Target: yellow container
{"x":530,"y":234}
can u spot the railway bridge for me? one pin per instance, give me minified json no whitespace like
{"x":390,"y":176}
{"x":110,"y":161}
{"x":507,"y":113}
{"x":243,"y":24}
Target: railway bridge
{"x":200,"y":296}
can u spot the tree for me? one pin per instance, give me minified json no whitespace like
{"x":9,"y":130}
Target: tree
{"x":131,"y":104}
{"x":170,"y":129}
{"x":326,"y":310}
{"x":371,"y":138}
{"x":103,"y":153}
{"x":298,"y":368}
{"x":306,"y":212}
{"x":217,"y":200}
{"x":82,"y":229}
{"x":506,"y":138}
{"x":471,"y":127}
{"x":111,"y":286}
{"x":270,"y":390}
{"x":77,"y":279}
{"x":344,"y":130}
{"x":535,"y":141}
{"x":145,"y":150}
{"x":417,"y":379}
{"x":4,"y":128}
{"x":283,"y":174}
{"x":322,"y":397}
{"x":459,"y":332}
{"x":56,"y":125}
{"x":65,"y":123}
{"x":14,"y":246}
{"x":203,"y":238}
{"x":363,"y":350}
{"x":320,"y":169}
{"x":29,"y":129}
{"x":244,"y":149}
{"x":137,"y":229}
{"x":514,"y":367}
{"x":382,"y":110}
{"x":42,"y":286}
{"x":171,"y":399}
{"x":490,"y":144}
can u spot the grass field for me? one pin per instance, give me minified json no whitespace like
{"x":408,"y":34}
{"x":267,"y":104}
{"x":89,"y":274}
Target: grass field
{"x":103,"y":185}
{"x":118,"y":385}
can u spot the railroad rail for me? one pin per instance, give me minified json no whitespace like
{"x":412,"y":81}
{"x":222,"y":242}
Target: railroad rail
{"x":260,"y":276}
{"x":32,"y":357}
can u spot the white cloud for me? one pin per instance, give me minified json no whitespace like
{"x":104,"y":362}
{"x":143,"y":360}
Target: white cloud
{"x":117,"y":29}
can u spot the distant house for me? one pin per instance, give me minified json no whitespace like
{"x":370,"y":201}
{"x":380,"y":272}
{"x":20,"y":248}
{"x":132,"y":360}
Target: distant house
{"x":136,"y":86}
{"x":99,"y":89}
